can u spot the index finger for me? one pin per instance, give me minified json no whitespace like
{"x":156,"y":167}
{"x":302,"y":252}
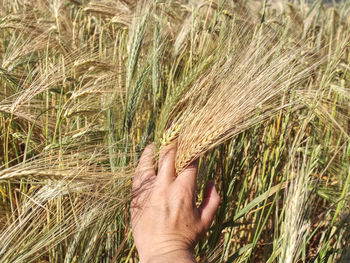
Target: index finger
{"x":145,"y":168}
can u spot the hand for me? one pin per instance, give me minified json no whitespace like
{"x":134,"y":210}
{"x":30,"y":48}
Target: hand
{"x":165,"y":219}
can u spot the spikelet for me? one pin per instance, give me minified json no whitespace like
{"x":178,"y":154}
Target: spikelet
{"x":240,"y":91}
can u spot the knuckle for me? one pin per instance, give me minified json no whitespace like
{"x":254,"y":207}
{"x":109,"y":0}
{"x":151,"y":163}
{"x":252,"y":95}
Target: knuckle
{"x":185,"y":192}
{"x":191,"y":169}
{"x":161,"y":193}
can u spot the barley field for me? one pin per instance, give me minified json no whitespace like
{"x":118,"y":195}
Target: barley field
{"x":259,"y":91}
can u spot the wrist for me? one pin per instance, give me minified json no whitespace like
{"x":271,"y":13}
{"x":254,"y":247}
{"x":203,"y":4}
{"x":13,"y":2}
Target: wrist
{"x":180,"y":256}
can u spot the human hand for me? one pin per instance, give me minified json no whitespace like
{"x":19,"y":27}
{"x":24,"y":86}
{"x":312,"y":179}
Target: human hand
{"x":165,"y":219}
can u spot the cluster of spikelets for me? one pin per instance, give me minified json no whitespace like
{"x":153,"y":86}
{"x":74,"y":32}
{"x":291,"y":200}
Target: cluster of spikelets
{"x":85,"y":85}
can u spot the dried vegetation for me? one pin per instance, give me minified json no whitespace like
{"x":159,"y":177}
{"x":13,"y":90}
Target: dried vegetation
{"x":258,"y":91}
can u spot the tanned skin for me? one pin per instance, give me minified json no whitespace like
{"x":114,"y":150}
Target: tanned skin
{"x":166,"y":222}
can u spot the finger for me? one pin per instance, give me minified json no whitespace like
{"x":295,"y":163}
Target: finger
{"x":210,"y":204}
{"x":139,"y":200}
{"x":145,"y":169}
{"x":188,"y":176}
{"x":166,"y":171}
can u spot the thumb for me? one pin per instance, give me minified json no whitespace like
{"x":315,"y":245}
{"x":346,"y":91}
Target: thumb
{"x":210,"y":204}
